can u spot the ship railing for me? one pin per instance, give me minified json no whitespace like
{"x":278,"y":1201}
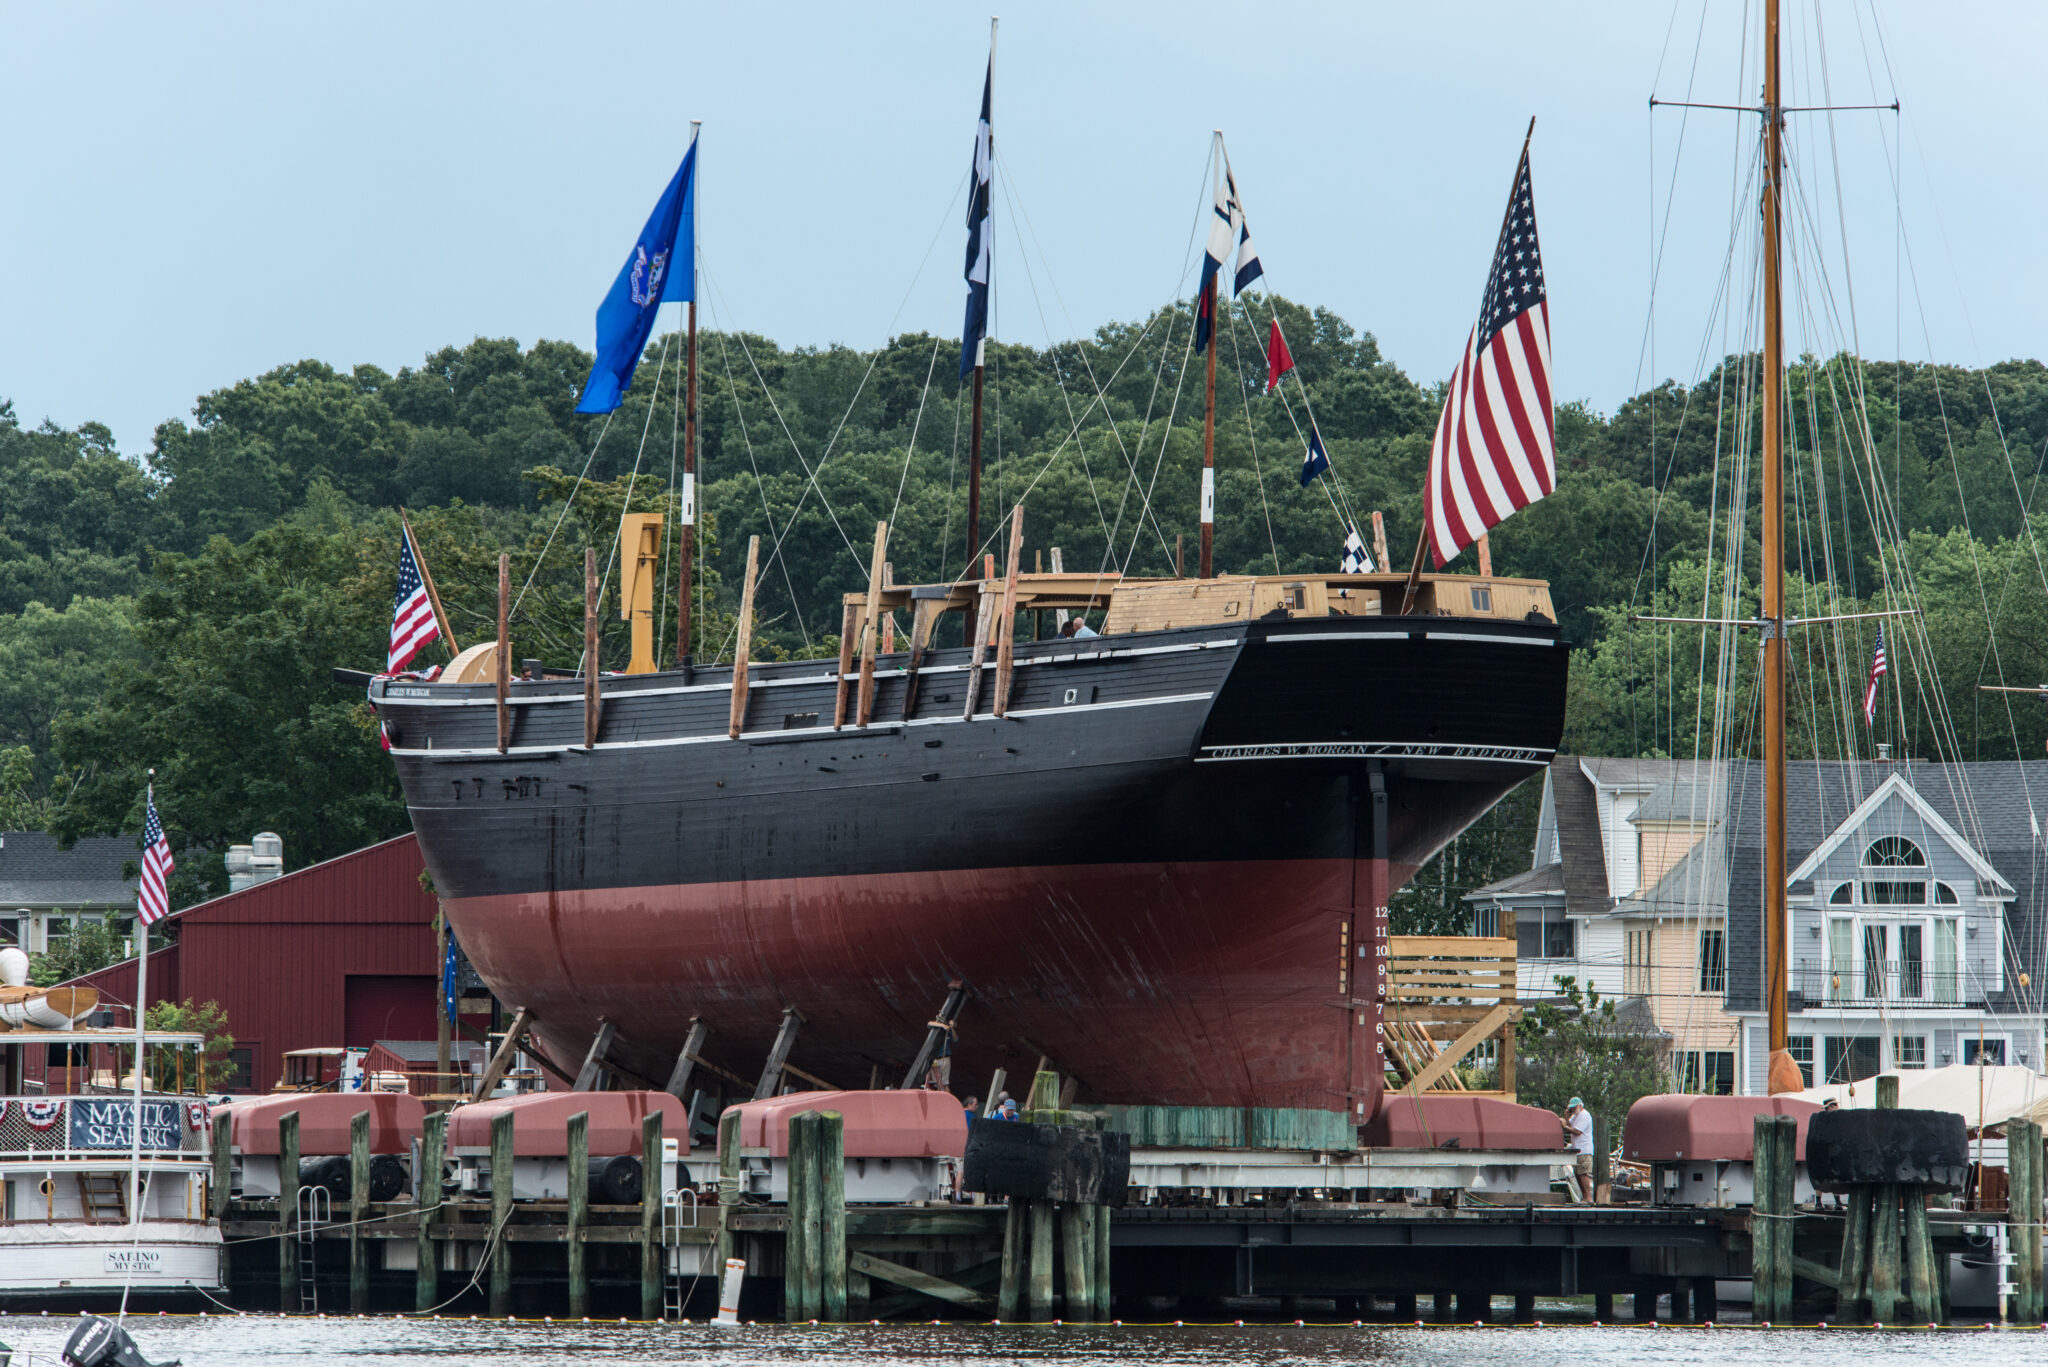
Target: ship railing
{"x":98,"y":1127}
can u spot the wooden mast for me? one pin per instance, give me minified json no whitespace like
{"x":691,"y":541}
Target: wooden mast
{"x":686,"y":535}
{"x":981,"y":343}
{"x":1207,"y":568}
{"x":1783,"y":1073}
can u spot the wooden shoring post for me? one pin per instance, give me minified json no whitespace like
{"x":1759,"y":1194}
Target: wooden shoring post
{"x":223,"y":1168}
{"x":433,"y":1152}
{"x":592,"y":698}
{"x":1016,"y":1236}
{"x":778,"y":1053}
{"x":593,"y":1062}
{"x":358,"y":1211}
{"x":866,"y":706}
{"x":501,"y":1213}
{"x":728,"y":1182}
{"x":1180,"y":564}
{"x":579,"y":1210}
{"x":501,"y":676}
{"x":419,"y":558}
{"x":1006,"y":641}
{"x":686,"y":1062}
{"x":935,"y":1034}
{"x":654,"y":1175}
{"x":924,"y":615}
{"x":745,"y":644}
{"x":1379,"y":541}
{"x":849,"y":628}
{"x":494,"y":1071}
{"x":1485,"y":548}
{"x":288,"y":1212}
{"x":829,"y":1140}
{"x":984,"y":608}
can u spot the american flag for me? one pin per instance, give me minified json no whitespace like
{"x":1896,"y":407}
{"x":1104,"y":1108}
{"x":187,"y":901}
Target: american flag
{"x":152,"y":902}
{"x":1878,"y":669}
{"x":412,"y":620}
{"x":1494,"y":450}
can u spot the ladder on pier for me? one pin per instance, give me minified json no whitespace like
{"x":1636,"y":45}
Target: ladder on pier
{"x":675,"y":1291}
{"x":316,"y":1208}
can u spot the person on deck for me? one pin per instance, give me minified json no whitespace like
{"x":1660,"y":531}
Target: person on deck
{"x":1008,"y":1110}
{"x":973,"y":1110}
{"x":1076,"y":628}
{"x":1578,"y":1125}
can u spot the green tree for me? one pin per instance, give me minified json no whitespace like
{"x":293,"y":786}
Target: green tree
{"x":88,"y":947}
{"x":1580,"y":1046}
{"x":168,"y":1065}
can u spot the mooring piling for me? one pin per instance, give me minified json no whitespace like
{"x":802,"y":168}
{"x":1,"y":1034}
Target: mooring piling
{"x":358,"y":1211}
{"x":288,"y":1212}
{"x":653,"y":1177}
{"x":501,"y":1213}
{"x":579,"y":1213}
{"x":433,"y":1152}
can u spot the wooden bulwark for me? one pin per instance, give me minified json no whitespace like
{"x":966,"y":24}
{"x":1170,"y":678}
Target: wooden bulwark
{"x":1456,"y":986}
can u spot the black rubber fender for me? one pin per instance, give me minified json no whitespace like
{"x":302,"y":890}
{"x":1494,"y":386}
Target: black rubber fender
{"x":1928,"y":1149}
{"x":615,"y":1180}
{"x":1047,"y":1163}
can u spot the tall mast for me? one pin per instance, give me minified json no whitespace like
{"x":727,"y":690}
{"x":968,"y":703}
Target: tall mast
{"x":1774,"y":572}
{"x":686,"y":537}
{"x":981,"y":346}
{"x":1208,"y":565}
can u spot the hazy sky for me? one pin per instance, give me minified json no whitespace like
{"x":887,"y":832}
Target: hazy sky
{"x":190,"y":195}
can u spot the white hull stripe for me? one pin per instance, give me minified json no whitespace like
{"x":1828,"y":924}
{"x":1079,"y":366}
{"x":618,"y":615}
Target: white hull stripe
{"x":1375,"y":749}
{"x":850,"y":732}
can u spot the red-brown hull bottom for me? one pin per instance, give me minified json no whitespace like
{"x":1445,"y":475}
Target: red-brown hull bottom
{"x":1194,"y":984}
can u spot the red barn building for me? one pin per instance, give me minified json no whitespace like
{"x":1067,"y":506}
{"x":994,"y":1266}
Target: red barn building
{"x":339,"y":953}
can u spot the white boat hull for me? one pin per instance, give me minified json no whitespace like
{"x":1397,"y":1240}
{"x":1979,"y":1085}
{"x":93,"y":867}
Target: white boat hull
{"x":153,"y":1256}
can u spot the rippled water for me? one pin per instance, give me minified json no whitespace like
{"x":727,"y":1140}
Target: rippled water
{"x":203,"y":1342}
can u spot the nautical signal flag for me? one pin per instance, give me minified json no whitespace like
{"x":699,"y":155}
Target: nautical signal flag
{"x":1878,"y":669}
{"x":1227,"y":229}
{"x":1355,"y":559}
{"x":1317,"y":460}
{"x":661,"y":267}
{"x":980,"y":233}
{"x":1279,"y":360}
{"x":412,"y":617}
{"x":152,"y":895}
{"x":1494,"y":450}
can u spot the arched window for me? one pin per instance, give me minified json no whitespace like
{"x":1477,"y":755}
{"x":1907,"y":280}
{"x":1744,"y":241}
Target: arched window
{"x":1893,"y":852}
{"x":1843,"y":895}
{"x":1944,"y":895}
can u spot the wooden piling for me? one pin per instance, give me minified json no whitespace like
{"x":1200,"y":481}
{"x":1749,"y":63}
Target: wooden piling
{"x":1078,"y":1253}
{"x":1884,"y":1255}
{"x":653,"y":1172}
{"x":865,"y":706}
{"x":2024,"y":1164}
{"x":223,"y":1167}
{"x":1923,"y":1287}
{"x":1855,"y":1264}
{"x":1039,"y":1290}
{"x":1016,"y":1238}
{"x":579,"y":1213}
{"x":1888,"y":1092}
{"x":728,"y":1183}
{"x":501,"y":1213}
{"x":829,"y":1138}
{"x":433,"y":1150}
{"x":358,"y":1212}
{"x":745,"y":644}
{"x":288,"y":1212}
{"x":1772,"y":1145}
{"x":1100,"y":1277}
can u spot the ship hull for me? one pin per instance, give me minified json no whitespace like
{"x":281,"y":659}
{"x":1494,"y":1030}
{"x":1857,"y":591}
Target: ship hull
{"x":1164,"y":871}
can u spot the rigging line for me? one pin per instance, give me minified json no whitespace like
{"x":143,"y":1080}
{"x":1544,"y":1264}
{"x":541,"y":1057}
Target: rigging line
{"x":1237,"y":363}
{"x":911,"y":450}
{"x":952,"y":483}
{"x":668,"y":547}
{"x":732,"y":390}
{"x":1166,"y":435}
{"x":566,"y":505}
{"x":1663,"y":235}
{"x":618,"y":533}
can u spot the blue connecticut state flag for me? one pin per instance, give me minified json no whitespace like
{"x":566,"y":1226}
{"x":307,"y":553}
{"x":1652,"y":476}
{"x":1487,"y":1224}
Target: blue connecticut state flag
{"x":660,"y":269}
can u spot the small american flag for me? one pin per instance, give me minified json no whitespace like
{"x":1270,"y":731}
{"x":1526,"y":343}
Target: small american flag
{"x":1878,"y":669}
{"x":412,"y":619}
{"x":1494,"y":451}
{"x":152,"y":901}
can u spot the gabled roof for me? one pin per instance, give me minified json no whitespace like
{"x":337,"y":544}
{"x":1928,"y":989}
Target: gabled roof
{"x":1546,"y":881}
{"x":35,"y":872}
{"x":1697,"y":885}
{"x":1579,"y":849}
{"x":1895,"y":786}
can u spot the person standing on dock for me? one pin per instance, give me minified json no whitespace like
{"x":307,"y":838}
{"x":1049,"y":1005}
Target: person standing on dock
{"x":1578,"y":1123}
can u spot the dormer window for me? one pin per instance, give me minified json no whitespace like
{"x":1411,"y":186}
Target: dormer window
{"x":1893,"y":852}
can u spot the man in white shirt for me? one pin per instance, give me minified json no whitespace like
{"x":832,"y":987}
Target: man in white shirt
{"x":1578,"y":1123}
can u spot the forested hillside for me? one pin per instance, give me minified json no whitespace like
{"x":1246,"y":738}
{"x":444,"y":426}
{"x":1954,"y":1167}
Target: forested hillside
{"x":181,"y":607}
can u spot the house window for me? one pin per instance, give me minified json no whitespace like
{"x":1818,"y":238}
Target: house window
{"x":1486,"y":921}
{"x":1944,"y":895}
{"x":10,"y":930}
{"x":55,"y":929}
{"x":1713,"y":961}
{"x":1844,"y":895}
{"x":1709,"y":1072}
{"x":1893,"y":852}
{"x":1544,"y":934}
{"x":1636,"y":974}
{"x":1989,"y":1051}
{"x":1909,"y":1051}
{"x":240,"y":1071}
{"x":1851,"y":1058}
{"x":1482,"y":598}
{"x":1895,"y":894}
{"x":1800,"y":1047}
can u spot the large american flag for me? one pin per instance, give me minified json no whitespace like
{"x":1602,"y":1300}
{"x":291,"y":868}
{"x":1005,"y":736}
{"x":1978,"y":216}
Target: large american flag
{"x":1494,"y":451}
{"x":152,"y":901}
{"x":412,"y":620}
{"x":1878,"y":669}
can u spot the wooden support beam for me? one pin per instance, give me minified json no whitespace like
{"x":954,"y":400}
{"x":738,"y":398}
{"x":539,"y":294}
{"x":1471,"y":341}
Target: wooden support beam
{"x":358,"y":1211}
{"x":746,"y":641}
{"x":719,"y":1070}
{"x":866,"y":708}
{"x":501,"y":1212}
{"x":494,"y":1071}
{"x":924,"y":615}
{"x":501,"y":676}
{"x":979,"y":653}
{"x":1463,"y":1045}
{"x":1485,"y":549}
{"x":600,"y":1045}
{"x":679,"y":1076}
{"x":433,"y":1153}
{"x":1379,"y":542}
{"x":828,"y":1137}
{"x":1016,"y":1235}
{"x":1077,"y":1252}
{"x":778,"y":1054}
{"x":1451,"y":947}
{"x":1038,"y":1294}
{"x":579,"y":1209}
{"x":1006,"y":639}
{"x":593,"y":701}
{"x":867,"y":1264}
{"x":728,"y":1182}
{"x":849,"y":628}
{"x":935,"y":1034}
{"x":822,"y":1084}
{"x":652,"y":1272}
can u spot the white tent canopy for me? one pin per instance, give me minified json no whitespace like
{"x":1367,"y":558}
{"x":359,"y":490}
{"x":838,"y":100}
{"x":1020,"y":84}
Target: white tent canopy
{"x":1988,"y":1095}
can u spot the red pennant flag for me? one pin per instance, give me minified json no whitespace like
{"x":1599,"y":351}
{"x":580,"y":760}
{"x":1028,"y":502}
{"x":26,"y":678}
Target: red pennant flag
{"x":1278,"y":359}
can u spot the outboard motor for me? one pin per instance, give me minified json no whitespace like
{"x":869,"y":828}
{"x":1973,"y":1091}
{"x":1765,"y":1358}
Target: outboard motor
{"x":99,"y":1342}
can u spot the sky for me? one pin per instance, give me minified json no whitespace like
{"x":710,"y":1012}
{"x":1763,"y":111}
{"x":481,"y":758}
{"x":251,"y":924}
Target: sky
{"x":191,"y":195}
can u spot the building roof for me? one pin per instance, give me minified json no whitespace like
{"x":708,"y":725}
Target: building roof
{"x":1546,"y":881}
{"x":1697,"y":885}
{"x":36,"y":873}
{"x":429,"y":1051}
{"x":1579,"y":848}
